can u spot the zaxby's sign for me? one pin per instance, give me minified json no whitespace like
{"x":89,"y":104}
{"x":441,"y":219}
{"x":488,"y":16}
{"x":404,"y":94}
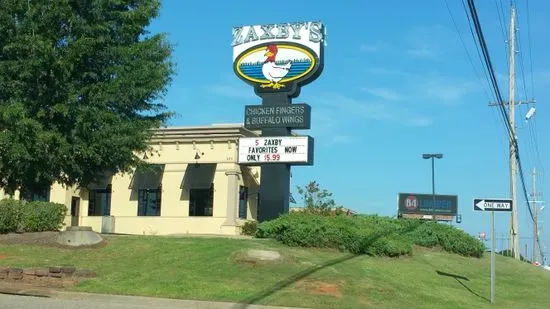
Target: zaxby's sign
{"x":278,"y":57}
{"x":277,"y":60}
{"x":425,"y":204}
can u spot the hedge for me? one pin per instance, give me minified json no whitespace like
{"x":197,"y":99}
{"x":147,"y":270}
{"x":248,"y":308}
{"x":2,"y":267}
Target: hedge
{"x":10,"y":215}
{"x":22,"y":216}
{"x":431,"y":234}
{"x":367,"y":234}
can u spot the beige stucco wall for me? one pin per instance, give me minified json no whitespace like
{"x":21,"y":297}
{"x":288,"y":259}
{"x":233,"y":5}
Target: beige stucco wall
{"x":176,"y":154}
{"x":3,"y":194}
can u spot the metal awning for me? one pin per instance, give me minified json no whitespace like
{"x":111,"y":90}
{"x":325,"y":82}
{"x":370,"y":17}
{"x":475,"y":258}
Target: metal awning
{"x":248,"y":177}
{"x":147,"y":176}
{"x":102,"y":182}
{"x":198,"y":176}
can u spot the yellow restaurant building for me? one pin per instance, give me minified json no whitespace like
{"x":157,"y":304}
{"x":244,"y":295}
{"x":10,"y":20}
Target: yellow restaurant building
{"x":193,"y":185}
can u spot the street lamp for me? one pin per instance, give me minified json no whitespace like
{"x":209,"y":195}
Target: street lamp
{"x":433,"y":156}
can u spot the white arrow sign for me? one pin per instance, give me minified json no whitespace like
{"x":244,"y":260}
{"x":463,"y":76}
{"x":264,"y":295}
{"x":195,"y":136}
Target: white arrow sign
{"x":493,"y":204}
{"x":481,"y":205}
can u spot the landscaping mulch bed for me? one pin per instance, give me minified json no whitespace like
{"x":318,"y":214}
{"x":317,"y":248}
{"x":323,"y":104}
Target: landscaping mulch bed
{"x":39,"y":238}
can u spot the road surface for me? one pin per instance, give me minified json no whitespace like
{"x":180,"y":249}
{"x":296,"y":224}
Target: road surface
{"x":99,"y":301}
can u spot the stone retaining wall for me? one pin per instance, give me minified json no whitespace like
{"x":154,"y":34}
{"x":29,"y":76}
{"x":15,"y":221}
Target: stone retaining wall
{"x":56,"y":276}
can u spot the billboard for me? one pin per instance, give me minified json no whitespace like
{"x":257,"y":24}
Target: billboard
{"x":276,"y":149}
{"x":425,"y":204}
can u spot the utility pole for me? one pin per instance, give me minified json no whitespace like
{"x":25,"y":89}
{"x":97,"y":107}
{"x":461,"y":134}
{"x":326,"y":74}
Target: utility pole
{"x":535,"y":223}
{"x":514,"y":229}
{"x":514,"y":233}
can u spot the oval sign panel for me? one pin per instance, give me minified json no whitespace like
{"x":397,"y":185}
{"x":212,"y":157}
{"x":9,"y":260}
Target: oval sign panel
{"x":275,"y":65}
{"x":278,"y":57}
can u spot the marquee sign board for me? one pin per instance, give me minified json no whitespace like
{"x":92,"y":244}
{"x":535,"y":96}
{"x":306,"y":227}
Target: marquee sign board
{"x":488,"y":204}
{"x":295,"y":116}
{"x":424,"y":204}
{"x":296,"y":150}
{"x":278,"y":57}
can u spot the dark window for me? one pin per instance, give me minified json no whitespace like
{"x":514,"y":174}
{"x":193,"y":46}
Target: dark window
{"x":147,"y":181}
{"x":35,"y":195}
{"x":99,"y":202}
{"x":149,"y":201}
{"x":201,"y":202}
{"x":243,"y":199}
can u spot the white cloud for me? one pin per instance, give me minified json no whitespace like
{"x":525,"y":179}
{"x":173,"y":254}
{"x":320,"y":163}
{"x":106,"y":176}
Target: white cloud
{"x":368,"y":48}
{"x":341,"y":139}
{"x":422,"y":53}
{"x":386,"y":71}
{"x":383,"y":93}
{"x":232,"y":91}
{"x":326,"y":128}
{"x":372,"y":110}
{"x":428,"y":42}
{"x":448,"y":90}
{"x":421,"y":121}
{"x":541,"y":77}
{"x":431,"y":87}
{"x":374,"y":47}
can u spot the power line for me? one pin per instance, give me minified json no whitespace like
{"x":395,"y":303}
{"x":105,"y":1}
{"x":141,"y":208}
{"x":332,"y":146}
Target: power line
{"x":467,"y":53}
{"x":534,"y":134}
{"x":522,"y":70}
{"x":529,"y":42}
{"x":479,"y":56}
{"x":491,"y":71}
{"x":502,"y":19}
{"x":474,"y":38}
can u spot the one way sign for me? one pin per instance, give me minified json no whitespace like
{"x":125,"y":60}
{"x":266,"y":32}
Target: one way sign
{"x":487,"y":204}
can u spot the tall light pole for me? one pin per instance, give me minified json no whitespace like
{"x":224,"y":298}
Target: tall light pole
{"x":433,"y":156}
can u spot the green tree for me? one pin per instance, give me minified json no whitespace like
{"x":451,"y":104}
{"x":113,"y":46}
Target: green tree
{"x":80,"y":86}
{"x":317,"y":200}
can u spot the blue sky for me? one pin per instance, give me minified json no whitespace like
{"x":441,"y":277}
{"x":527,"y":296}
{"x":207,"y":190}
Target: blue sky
{"x":397,"y":83}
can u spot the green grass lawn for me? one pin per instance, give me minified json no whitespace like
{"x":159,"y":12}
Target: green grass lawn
{"x":211,"y":269}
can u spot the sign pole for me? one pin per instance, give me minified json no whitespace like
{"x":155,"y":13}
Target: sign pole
{"x":277,"y":60}
{"x":493,"y":245}
{"x":492,"y":205}
{"x":275,"y":178}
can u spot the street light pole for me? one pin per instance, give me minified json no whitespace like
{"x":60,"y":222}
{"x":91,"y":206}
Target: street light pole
{"x":433,"y":156}
{"x":433,"y":190}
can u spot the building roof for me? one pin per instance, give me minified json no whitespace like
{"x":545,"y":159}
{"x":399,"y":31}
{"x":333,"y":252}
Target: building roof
{"x":214,"y":132}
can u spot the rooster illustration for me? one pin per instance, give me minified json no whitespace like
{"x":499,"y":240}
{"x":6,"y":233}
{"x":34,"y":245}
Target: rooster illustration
{"x":273,"y":72}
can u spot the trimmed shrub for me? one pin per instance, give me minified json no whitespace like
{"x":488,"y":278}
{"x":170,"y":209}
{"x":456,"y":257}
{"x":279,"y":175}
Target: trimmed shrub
{"x":430,"y":234}
{"x":367,"y":234}
{"x":249,"y":228}
{"x":344,"y":233}
{"x":10,"y":215}
{"x":43,"y":216}
{"x":22,"y":216}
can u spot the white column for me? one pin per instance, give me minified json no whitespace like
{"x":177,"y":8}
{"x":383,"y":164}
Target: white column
{"x":232,"y":197}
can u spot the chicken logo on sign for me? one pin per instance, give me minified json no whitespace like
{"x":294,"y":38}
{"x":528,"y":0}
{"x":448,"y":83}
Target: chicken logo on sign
{"x":278,"y":58}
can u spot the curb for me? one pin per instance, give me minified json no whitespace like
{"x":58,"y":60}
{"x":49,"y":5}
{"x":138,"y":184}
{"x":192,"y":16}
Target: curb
{"x":22,"y":289}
